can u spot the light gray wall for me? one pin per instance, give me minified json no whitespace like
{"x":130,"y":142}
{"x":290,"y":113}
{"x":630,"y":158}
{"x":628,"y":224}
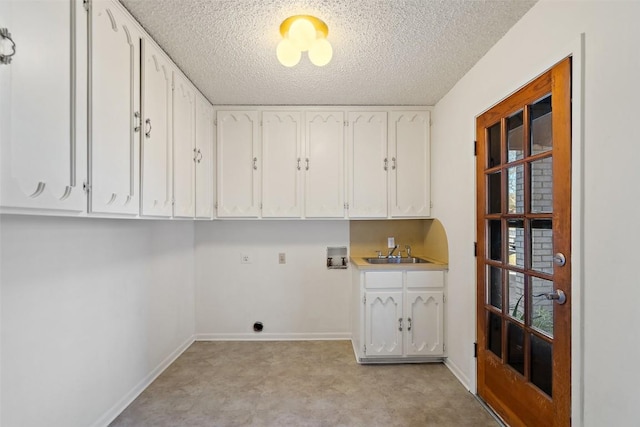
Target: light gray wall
{"x":91,"y":310}
{"x":605,"y":204}
{"x":301,"y":299}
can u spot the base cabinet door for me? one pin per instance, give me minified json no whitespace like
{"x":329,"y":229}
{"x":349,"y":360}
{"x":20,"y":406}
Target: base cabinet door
{"x":114,"y":161}
{"x":409,"y":159}
{"x":324,"y":165}
{"x":281,"y":164}
{"x":156,"y":181}
{"x":42,"y":105}
{"x":383,"y":323}
{"x":184,"y":147}
{"x":424,"y":323}
{"x":238,"y":164}
{"x":205,"y":159}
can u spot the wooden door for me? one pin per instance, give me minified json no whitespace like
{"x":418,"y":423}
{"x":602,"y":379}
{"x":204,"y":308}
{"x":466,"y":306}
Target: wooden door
{"x":367,"y":164}
{"x":205,"y":189}
{"x":114,"y":161}
{"x":384,"y":323}
{"x":282,"y":162}
{"x":524,"y":253}
{"x":42,"y":100}
{"x":184,"y":146}
{"x":409,"y":163}
{"x":239,"y":164}
{"x":324,"y":165}
{"x":157,"y":180}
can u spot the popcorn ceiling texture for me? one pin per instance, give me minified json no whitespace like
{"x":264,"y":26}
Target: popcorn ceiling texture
{"x":386,"y":52}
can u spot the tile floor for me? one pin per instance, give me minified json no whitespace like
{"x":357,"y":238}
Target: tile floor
{"x":304,"y":383}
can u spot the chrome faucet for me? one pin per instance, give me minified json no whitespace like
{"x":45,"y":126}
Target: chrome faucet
{"x":390,"y":254}
{"x":408,"y":248}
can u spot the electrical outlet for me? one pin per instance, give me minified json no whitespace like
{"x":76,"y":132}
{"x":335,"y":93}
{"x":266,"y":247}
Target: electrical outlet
{"x":245,"y":259}
{"x":391,"y":242}
{"x":282,"y":258}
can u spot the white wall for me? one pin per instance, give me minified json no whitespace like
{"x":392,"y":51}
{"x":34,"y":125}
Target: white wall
{"x":605,"y":251}
{"x":301,"y":299}
{"x":91,"y":310}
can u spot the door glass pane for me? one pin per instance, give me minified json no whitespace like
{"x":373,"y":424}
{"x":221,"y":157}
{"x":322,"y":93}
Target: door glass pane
{"x":516,"y":242}
{"x":494,"y":145}
{"x":494,"y":280}
{"x":541,"y":136}
{"x":495,"y":240}
{"x":516,"y":296}
{"x":541,"y":364}
{"x":494,"y":193}
{"x":494,"y":334}
{"x":542,"y":245}
{"x":542,"y":185}
{"x":541,"y":307}
{"x":515,"y":347}
{"x":515,"y":137}
{"x":515,"y":189}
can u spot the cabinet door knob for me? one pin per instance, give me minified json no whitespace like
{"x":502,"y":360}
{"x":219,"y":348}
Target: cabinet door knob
{"x":386,"y":164}
{"x":307,"y":162}
{"x":400,"y":324}
{"x":136,"y":116}
{"x":148,"y":132}
{"x":409,"y":326}
{"x":255,"y":163}
{"x":299,"y":163}
{"x":393,"y":159}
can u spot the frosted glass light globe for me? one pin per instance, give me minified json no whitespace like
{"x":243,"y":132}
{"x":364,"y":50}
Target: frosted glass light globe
{"x":302,"y":34}
{"x":320,"y":53}
{"x":287,"y":53}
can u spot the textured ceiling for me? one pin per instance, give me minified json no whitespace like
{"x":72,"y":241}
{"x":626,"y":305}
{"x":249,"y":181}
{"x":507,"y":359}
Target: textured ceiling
{"x":386,"y":52}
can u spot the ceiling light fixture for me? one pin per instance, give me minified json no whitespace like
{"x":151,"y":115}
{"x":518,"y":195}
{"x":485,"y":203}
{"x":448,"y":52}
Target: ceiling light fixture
{"x":302,"y":33}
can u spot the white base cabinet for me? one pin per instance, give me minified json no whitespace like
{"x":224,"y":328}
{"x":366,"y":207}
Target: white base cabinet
{"x":398,"y":316}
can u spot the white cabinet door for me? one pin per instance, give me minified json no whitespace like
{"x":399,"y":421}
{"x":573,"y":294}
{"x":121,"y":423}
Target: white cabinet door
{"x":156,"y":171}
{"x":384,"y":323}
{"x":114,"y":162}
{"x":410,"y":164}
{"x":324,"y":165}
{"x":281,"y":164}
{"x":425,"y":317}
{"x":184,"y":146}
{"x":42,"y":105}
{"x":239,"y":165}
{"x":367,"y":164}
{"x":204,"y":158}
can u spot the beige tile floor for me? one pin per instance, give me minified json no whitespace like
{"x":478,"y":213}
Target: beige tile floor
{"x":304,"y":383}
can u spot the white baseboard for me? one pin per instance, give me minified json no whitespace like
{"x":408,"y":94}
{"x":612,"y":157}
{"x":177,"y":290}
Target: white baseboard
{"x":120,"y":406}
{"x":457,"y":372}
{"x":262,"y":336}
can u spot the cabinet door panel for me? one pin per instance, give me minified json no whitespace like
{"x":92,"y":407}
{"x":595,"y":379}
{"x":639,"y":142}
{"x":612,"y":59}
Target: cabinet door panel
{"x":410,"y":163}
{"x":425,"y":330}
{"x":115,"y":102}
{"x":42,"y":141}
{"x":184,"y":148}
{"x":281,"y":164}
{"x":238,"y":164}
{"x":367,"y":164}
{"x":383,"y":323}
{"x":324,"y":165}
{"x":204,"y":159}
{"x":156,"y":140}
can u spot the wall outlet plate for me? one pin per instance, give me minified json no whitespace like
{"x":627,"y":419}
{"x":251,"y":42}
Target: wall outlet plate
{"x":245,"y":259}
{"x":391,"y":242}
{"x":282,"y":258}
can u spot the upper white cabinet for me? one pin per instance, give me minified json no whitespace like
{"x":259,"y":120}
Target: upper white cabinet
{"x":367,"y":164}
{"x":42,"y":107}
{"x":114,"y":140}
{"x":282,"y":163}
{"x":185,"y":154}
{"x":409,"y":163}
{"x":324,"y":164}
{"x":156,"y":173}
{"x":204,"y":158}
{"x":239,"y":164}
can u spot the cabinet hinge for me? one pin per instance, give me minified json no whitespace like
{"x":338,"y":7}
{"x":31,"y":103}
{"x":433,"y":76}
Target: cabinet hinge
{"x":346,"y":123}
{"x":475,"y":249}
{"x":475,"y":148}
{"x":475,"y":350}
{"x":431,"y":204}
{"x":444,"y":347}
{"x":215,"y":122}
{"x":216,"y":205}
{"x":86,"y":5}
{"x":364,"y":347}
{"x":86,"y":187}
{"x":364,"y":299}
{"x":444,"y":298}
